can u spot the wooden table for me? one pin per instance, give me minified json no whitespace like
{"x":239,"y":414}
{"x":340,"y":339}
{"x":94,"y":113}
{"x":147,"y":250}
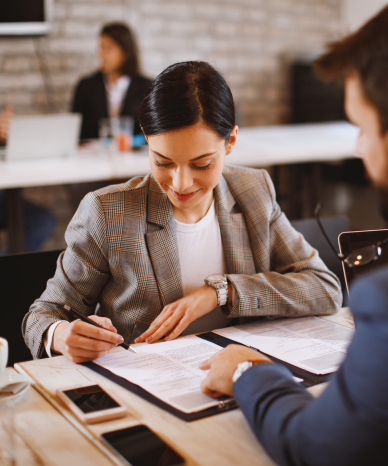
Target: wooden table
{"x":47,"y":433}
{"x":256,"y":147}
{"x":224,"y":439}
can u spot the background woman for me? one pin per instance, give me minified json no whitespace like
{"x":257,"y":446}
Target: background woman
{"x":118,"y":88}
{"x":146,"y":252}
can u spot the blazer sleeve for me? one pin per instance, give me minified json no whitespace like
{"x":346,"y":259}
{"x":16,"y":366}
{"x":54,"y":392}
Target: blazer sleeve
{"x":297,"y":283}
{"x":82,"y":271}
{"x":347,"y":425}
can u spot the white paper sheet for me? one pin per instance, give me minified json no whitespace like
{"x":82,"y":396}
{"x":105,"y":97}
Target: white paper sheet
{"x":168,"y":370}
{"x":310,"y":343}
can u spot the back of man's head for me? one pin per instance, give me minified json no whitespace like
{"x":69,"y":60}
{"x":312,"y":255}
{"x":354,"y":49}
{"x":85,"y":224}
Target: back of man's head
{"x":365,"y":53}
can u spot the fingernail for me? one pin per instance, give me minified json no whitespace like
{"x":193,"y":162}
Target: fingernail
{"x":114,"y":328}
{"x":149,"y":339}
{"x":120,"y":339}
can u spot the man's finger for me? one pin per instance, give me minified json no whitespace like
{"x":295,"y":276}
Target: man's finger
{"x":205,"y":365}
{"x":207,"y":388}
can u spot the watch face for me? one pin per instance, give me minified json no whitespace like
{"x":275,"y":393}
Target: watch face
{"x":215,"y":277}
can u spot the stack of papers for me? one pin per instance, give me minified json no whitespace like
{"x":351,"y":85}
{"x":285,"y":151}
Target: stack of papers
{"x":310,"y":343}
{"x":168,"y":370}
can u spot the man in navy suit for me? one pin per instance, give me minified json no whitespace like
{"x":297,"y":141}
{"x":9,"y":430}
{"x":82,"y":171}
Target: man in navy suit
{"x":348,"y":424}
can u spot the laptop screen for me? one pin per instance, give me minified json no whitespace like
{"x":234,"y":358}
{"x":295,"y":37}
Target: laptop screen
{"x":352,"y":240}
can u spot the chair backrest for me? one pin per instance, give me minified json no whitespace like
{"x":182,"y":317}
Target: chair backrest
{"x":23,"y":279}
{"x":313,"y":235}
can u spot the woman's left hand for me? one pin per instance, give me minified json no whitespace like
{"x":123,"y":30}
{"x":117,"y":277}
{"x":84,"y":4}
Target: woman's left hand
{"x":175,"y":317}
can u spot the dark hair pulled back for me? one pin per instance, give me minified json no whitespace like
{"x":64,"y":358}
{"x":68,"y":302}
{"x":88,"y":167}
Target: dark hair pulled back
{"x":124,"y":37}
{"x":185,"y":94}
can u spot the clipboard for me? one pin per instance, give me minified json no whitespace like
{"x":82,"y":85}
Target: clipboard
{"x":187,"y":417}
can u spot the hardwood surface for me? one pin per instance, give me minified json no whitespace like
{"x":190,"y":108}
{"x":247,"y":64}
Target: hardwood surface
{"x":224,"y":439}
{"x":49,"y":434}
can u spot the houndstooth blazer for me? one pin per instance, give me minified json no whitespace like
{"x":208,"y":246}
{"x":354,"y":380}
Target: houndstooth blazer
{"x":122,"y":256}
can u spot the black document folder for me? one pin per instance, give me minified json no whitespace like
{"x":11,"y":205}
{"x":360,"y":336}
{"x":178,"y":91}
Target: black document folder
{"x":220,"y":408}
{"x":308,"y":380}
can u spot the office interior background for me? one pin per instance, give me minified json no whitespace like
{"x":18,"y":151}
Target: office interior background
{"x":254,"y":43}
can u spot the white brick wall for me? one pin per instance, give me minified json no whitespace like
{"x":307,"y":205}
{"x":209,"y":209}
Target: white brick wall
{"x":247,"y":40}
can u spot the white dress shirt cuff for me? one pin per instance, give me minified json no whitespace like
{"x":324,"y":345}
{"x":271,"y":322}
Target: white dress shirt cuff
{"x":48,"y":337}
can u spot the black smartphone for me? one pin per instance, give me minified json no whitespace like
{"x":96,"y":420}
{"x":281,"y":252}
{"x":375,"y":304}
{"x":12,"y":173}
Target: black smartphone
{"x":139,"y":446}
{"x":92,"y":404}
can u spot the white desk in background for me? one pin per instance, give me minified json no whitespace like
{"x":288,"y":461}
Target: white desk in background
{"x":256,"y":147}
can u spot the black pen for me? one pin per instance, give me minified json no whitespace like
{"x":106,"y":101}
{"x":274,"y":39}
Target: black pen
{"x":91,"y":322}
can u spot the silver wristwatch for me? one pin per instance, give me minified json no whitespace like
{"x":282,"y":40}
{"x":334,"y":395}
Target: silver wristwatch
{"x":241,"y":368}
{"x":219,"y":282}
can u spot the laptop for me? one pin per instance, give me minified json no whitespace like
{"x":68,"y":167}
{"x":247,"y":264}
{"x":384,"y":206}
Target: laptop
{"x":352,"y":240}
{"x":35,"y":136}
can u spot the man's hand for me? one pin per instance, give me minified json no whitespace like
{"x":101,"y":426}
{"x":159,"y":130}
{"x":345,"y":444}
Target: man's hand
{"x":175,"y":317}
{"x":81,"y":342}
{"x":222,"y":366}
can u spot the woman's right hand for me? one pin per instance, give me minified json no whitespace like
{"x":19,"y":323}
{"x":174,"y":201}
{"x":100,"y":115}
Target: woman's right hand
{"x":81,"y":342}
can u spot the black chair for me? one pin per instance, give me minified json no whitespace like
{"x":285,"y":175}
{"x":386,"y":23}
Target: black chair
{"x":23,"y":279}
{"x":313,"y":235}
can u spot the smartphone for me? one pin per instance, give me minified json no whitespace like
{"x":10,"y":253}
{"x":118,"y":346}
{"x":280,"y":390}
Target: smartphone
{"x":139,"y":446}
{"x":92,"y":404}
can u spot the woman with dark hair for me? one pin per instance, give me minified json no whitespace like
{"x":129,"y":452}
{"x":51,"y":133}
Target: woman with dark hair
{"x":184,"y":249}
{"x":118,"y":88}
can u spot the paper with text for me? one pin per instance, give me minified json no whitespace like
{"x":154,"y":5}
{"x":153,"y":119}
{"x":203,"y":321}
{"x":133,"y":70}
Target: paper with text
{"x":168,"y":370}
{"x":310,"y":343}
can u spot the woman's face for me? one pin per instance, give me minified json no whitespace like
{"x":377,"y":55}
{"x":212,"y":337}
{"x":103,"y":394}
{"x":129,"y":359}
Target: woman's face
{"x":187,"y":163}
{"x":111,"y":55}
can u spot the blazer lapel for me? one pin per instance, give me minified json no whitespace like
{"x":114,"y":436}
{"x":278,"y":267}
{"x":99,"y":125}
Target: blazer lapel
{"x":163,"y":245}
{"x":234,"y":233}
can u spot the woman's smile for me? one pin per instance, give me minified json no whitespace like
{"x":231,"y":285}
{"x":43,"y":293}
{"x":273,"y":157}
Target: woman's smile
{"x":183,"y":196}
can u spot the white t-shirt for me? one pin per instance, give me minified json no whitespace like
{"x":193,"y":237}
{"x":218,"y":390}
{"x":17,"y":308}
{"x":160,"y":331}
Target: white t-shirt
{"x":116,"y":93}
{"x":201,"y":254}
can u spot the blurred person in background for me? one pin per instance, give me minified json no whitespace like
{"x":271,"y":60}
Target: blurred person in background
{"x":39,"y":222}
{"x":117,"y":88}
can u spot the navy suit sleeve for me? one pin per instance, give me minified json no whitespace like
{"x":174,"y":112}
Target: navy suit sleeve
{"x":348,"y":424}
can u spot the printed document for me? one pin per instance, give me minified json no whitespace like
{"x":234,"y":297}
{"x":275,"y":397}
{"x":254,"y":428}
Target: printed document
{"x":168,"y":370}
{"x":311,"y":343}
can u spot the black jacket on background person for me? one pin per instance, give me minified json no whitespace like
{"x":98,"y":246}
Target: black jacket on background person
{"x":90,"y":100}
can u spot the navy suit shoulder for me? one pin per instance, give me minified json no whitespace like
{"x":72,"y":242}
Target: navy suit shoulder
{"x":348,"y":424}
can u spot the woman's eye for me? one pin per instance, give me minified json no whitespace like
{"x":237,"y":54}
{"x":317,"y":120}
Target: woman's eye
{"x":162,"y":165}
{"x":202,"y":168}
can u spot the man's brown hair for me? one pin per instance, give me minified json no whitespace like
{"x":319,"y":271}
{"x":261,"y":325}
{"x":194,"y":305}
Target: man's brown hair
{"x":365,"y":52}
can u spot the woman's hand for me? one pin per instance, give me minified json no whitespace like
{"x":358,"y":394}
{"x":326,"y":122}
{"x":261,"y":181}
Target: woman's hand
{"x":80,"y":341}
{"x":175,"y":317}
{"x":222,"y":366}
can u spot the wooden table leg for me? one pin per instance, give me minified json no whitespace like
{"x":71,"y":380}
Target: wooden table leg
{"x":15,"y":221}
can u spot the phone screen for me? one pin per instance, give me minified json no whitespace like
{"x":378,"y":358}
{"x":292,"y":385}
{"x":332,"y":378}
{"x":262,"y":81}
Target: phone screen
{"x":91,"y":399}
{"x":141,"y":447}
